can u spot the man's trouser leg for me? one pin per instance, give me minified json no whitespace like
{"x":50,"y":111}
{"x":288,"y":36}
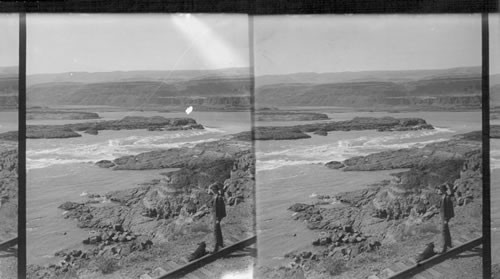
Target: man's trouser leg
{"x":446,"y":235}
{"x":218,"y":235}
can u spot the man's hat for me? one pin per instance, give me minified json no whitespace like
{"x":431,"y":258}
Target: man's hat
{"x":443,"y":187}
{"x":214,"y":186}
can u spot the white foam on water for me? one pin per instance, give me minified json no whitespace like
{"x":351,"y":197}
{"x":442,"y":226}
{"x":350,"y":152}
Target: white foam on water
{"x":213,"y":130}
{"x":494,"y":159}
{"x":400,"y":136}
{"x":495,"y":153}
{"x":107,"y":150}
{"x":347,"y":148}
{"x":494,"y":163}
{"x":403,"y":145}
{"x":44,"y":163}
{"x":274,"y":164}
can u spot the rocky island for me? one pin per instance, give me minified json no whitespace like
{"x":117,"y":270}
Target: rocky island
{"x":155,"y":123}
{"x":265,"y":115}
{"x":47,"y":114}
{"x":358,"y":123}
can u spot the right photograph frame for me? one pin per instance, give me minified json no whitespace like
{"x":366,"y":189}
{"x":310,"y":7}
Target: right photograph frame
{"x":368,"y":146}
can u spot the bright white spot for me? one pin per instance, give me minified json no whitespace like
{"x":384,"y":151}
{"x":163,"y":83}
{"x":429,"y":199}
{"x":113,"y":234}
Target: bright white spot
{"x":213,"y":49}
{"x":189,"y":109}
{"x":244,"y":274}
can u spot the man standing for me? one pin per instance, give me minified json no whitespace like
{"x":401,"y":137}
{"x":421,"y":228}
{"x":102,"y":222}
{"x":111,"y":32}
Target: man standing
{"x":219,"y":212}
{"x":446,"y":214}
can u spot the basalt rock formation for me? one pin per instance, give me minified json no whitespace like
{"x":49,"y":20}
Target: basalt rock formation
{"x":158,"y":207}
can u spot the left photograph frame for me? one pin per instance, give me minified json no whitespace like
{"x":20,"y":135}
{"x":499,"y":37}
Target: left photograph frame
{"x":9,"y":144}
{"x":137,"y":163}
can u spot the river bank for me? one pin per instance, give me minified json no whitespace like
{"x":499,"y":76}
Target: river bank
{"x":166,"y":216}
{"x":358,"y":233}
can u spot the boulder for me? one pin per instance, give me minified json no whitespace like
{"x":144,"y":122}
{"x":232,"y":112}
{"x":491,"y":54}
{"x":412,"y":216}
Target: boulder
{"x":321,"y":133}
{"x":70,"y":205}
{"x":118,"y":227}
{"x":105,"y":164}
{"x":92,"y":131}
{"x":334,"y":165}
{"x":299,"y":207}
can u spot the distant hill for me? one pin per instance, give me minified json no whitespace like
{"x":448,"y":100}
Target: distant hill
{"x":11,"y":71}
{"x":119,"y":76}
{"x":392,"y":76}
{"x":9,"y":84}
{"x":442,"y":88}
{"x":209,"y":91}
{"x":447,"y":89}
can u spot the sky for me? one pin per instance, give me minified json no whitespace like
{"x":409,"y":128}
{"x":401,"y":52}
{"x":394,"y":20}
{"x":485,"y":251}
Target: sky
{"x":112,"y":42}
{"x":9,"y":42}
{"x":494,"y":28}
{"x":338,"y":43}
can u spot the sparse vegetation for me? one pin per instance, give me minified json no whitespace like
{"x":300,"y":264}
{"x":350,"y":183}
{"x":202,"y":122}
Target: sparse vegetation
{"x":70,"y":274}
{"x":200,"y":228}
{"x":106,"y":265}
{"x":334,"y":266}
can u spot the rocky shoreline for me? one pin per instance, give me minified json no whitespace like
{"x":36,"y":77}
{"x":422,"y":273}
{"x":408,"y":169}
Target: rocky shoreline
{"x":172,"y":212}
{"x":8,"y":205}
{"x":381,"y":124}
{"x":360,"y":232}
{"x":8,"y":189}
{"x":154,"y":123}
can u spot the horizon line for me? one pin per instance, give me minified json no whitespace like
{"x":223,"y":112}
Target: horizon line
{"x":268,"y":74}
